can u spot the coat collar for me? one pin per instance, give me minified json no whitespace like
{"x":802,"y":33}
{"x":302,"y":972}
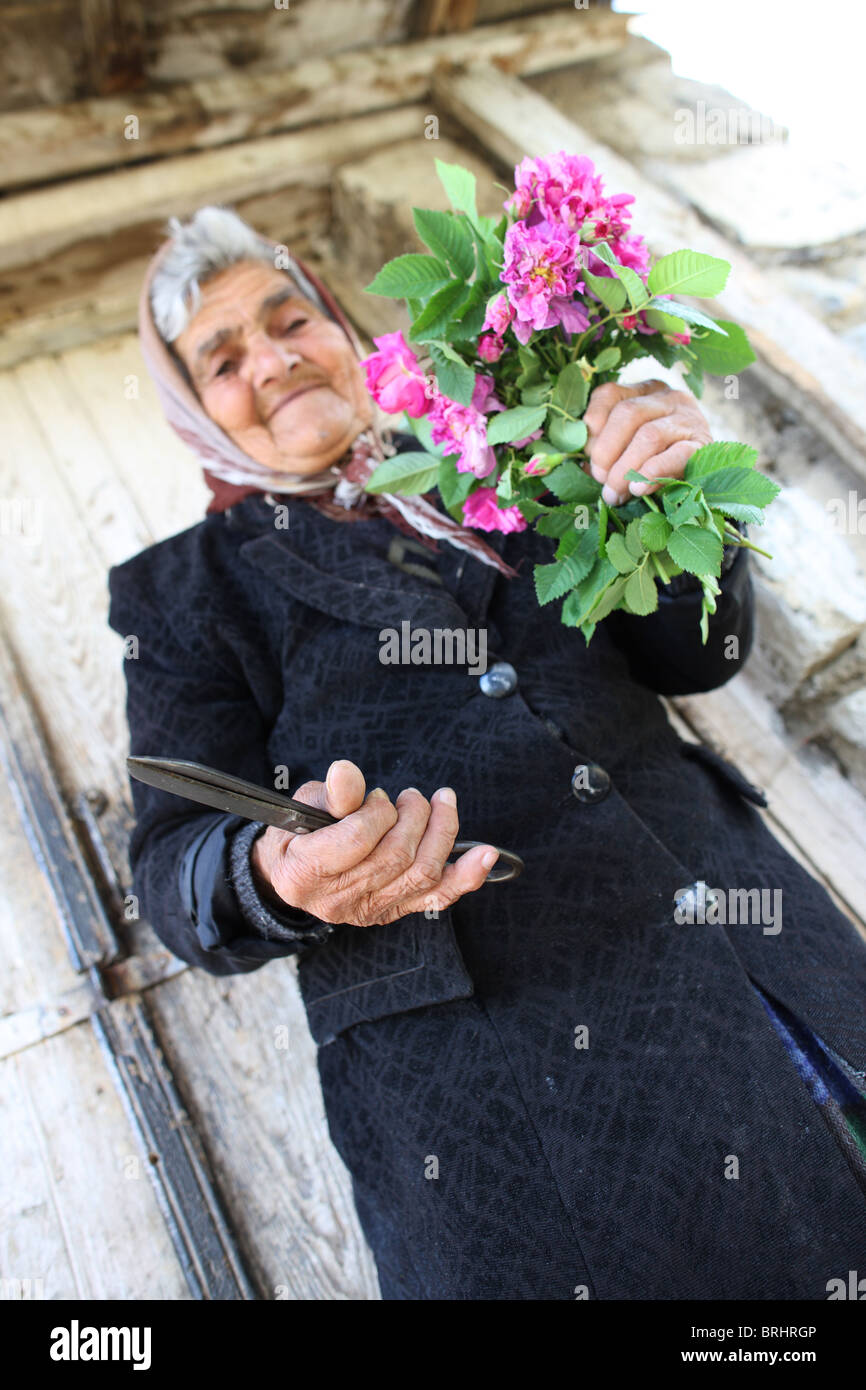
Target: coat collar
{"x":342,"y":569}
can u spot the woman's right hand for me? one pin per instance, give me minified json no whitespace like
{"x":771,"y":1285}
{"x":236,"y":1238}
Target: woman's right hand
{"x":384,"y":860}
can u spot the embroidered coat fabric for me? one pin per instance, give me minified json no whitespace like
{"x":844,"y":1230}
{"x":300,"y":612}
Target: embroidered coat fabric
{"x":539,"y":1094}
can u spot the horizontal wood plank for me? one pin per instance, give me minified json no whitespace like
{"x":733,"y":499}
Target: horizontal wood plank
{"x":78,"y":137}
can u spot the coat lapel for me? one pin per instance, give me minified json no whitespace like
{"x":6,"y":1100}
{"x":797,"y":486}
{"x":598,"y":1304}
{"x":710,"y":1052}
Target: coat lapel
{"x":335,"y":568}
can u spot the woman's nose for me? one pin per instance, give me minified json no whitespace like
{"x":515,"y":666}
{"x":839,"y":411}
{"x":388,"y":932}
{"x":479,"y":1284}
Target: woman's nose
{"x":267,"y":361}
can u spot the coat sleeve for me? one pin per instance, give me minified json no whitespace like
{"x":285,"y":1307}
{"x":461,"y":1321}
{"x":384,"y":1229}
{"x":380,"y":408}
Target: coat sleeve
{"x":664,"y":650}
{"x":190,"y":867}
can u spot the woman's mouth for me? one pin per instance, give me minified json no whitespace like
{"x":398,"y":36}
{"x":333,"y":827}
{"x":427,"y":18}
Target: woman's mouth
{"x":293,"y":396}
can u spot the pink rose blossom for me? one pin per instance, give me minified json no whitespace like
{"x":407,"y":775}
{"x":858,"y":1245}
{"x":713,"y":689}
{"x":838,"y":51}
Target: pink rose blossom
{"x":537,"y":466}
{"x":565,"y":189}
{"x":394,"y":377}
{"x":540,"y":266}
{"x":499,"y":315}
{"x":490,"y":348}
{"x":463,"y":428}
{"x":482,"y":511}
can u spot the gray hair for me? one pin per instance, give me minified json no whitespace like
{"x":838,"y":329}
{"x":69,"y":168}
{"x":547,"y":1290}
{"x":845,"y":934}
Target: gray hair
{"x":213,"y":239}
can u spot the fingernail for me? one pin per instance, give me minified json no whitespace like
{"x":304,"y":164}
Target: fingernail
{"x":489,"y":859}
{"x":608,"y":494}
{"x":638,"y":488}
{"x":447,"y":796}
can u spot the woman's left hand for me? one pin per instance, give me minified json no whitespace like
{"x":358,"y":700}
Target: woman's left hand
{"x":649,"y":427}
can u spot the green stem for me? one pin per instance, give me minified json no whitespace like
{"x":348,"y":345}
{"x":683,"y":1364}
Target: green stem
{"x":735,"y":538}
{"x":660,"y":569}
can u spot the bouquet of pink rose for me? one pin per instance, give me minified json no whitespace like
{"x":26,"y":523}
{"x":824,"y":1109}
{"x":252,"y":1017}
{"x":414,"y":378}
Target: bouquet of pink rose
{"x":519,"y":320}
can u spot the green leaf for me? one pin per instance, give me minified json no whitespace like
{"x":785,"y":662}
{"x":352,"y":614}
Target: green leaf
{"x":456,"y":380}
{"x":680,"y":504}
{"x":664,"y":352}
{"x":536,"y":394}
{"x":448,"y":237}
{"x":634,"y":286}
{"x":694,"y":379}
{"x":555,"y":523}
{"x":471,"y":314}
{"x":569,"y":483}
{"x":415,"y":274}
{"x":459,"y":184}
{"x":567,"y":435}
{"x":553,"y":581}
{"x":454,"y":488}
{"x":570,"y":391}
{"x":609,"y":599}
{"x":408,"y":473}
{"x":655,"y":530}
{"x":575,"y":610}
{"x":697,"y":549}
{"x":641,"y":593}
{"x":505,"y":486}
{"x":505,"y":427}
{"x":633,"y":542}
{"x":739,"y":485}
{"x":611,"y":292}
{"x":685,"y":314}
{"x":722,"y":453}
{"x":724,"y":356}
{"x":435,"y":317}
{"x":688,"y":272}
{"x":607,"y":359}
{"x":619,"y":555}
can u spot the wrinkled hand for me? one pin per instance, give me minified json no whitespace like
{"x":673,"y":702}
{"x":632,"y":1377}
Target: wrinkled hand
{"x":383,"y":861}
{"x":649,"y":427}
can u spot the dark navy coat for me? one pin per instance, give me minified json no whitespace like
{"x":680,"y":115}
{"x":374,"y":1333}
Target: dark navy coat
{"x":538,"y":1095}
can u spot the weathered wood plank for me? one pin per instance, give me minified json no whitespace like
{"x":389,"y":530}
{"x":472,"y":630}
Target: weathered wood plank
{"x":90,"y":290}
{"x":36,"y":224}
{"x":77,"y":137}
{"x":77,"y":1209}
{"x":798,"y":356}
{"x":245,"y":1062}
{"x":157,"y":472}
{"x":78,"y":910}
{"x":35,"y":960}
{"x":53,"y":600}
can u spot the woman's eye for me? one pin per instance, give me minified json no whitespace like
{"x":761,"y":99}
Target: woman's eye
{"x":225,"y":368}
{"x":295,"y":323}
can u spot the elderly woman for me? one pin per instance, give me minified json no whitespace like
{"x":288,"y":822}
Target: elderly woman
{"x":553,"y":1088}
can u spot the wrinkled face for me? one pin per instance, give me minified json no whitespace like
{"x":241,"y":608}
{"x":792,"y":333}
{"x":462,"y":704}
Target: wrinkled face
{"x":278,"y":376}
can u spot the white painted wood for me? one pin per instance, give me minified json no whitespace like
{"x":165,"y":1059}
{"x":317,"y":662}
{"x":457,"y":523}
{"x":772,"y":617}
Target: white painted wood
{"x":77,"y":1209}
{"x":258,"y":1107}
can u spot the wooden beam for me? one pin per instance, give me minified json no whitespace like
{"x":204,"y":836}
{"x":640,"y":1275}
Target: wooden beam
{"x":798,"y":356}
{"x":443,"y":16}
{"x":78,"y":137}
{"x":35,"y":225}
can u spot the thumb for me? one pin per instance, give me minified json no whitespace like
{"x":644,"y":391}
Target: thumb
{"x":342,"y":791}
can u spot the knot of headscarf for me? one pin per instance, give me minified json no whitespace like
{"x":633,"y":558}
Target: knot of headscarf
{"x":337,"y":491}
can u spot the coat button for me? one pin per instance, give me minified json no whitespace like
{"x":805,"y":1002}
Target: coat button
{"x":500,"y":680}
{"x":590,"y":782}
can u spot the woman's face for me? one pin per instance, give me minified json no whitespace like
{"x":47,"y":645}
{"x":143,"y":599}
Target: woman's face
{"x":278,"y":376}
